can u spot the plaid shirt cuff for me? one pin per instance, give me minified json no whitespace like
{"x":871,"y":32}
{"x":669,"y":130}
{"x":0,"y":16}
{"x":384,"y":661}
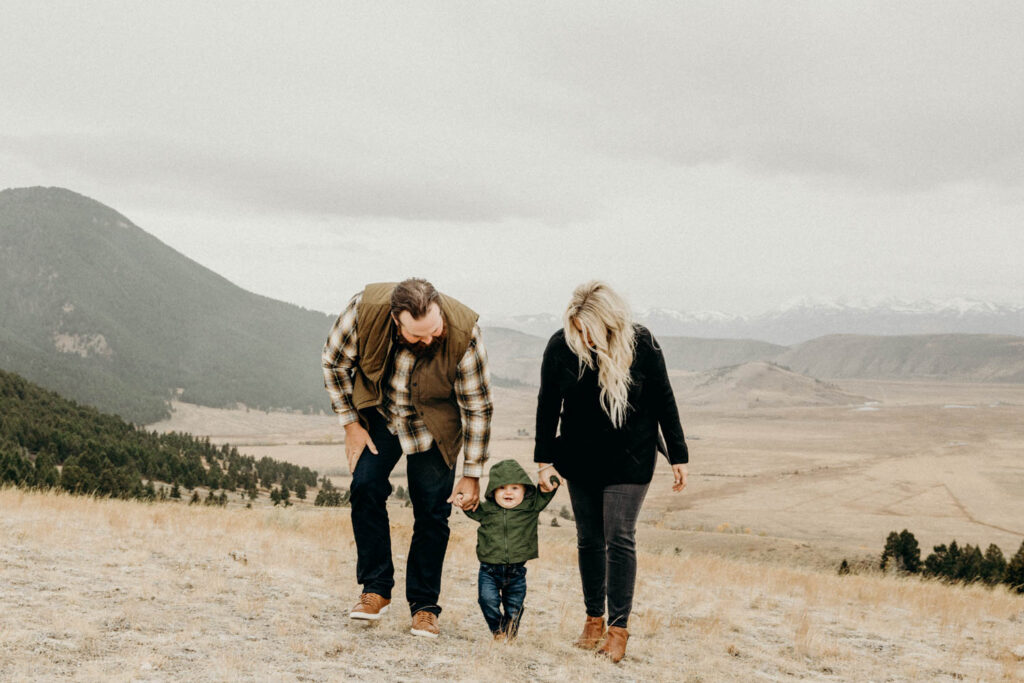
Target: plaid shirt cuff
{"x":347,"y":417}
{"x":473,"y":469}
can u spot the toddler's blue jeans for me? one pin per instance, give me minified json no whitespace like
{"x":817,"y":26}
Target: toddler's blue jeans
{"x":502,"y":585}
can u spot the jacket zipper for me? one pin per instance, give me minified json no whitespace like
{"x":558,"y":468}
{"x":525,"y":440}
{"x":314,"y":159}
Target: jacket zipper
{"x":504,"y":521}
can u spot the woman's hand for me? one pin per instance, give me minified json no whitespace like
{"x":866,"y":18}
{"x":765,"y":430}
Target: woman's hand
{"x":545,"y":474}
{"x":679,"y":472}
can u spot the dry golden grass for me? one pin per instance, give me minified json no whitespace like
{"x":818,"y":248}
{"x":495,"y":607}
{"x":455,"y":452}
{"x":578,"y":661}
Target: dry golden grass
{"x":114,"y":590}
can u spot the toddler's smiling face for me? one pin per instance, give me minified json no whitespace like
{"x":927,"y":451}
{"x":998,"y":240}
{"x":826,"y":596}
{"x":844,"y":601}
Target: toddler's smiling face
{"x":510,"y":495}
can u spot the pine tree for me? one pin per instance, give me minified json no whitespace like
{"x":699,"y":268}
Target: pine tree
{"x":1014,"y":576}
{"x":175,"y":491}
{"x":969,"y":568}
{"x":46,"y":474}
{"x":944,"y":562}
{"x":993,"y":566}
{"x":901,"y":552}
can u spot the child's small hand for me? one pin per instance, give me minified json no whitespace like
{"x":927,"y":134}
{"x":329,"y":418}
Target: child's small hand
{"x":547,"y":477}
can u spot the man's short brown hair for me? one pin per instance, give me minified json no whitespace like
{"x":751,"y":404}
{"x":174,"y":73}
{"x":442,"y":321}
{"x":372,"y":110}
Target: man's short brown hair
{"x":415,"y":296}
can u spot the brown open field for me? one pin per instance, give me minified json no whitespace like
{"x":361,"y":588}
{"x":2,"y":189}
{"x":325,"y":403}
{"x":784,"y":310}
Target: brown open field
{"x":110,"y":590}
{"x":736,"y":577}
{"x":804,"y":484}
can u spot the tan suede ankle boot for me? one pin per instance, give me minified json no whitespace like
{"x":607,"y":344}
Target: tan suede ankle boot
{"x":614,"y":647}
{"x":593,"y":631}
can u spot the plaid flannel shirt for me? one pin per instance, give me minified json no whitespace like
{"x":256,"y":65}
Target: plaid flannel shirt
{"x":472,"y":391}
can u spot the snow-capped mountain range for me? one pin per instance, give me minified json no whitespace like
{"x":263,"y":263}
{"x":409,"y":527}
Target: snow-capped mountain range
{"x":807,"y":318}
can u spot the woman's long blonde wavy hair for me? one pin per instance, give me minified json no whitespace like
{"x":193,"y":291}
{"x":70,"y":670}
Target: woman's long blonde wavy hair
{"x":607,"y":333}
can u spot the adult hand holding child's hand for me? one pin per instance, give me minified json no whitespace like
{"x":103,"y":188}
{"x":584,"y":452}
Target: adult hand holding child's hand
{"x":547,"y":477}
{"x":466,"y":494}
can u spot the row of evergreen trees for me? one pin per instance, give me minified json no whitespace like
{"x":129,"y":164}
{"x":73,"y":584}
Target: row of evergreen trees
{"x":954,"y":563}
{"x":104,"y":455}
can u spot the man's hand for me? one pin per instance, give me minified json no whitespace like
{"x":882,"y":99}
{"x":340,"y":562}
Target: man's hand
{"x":466,"y":494}
{"x":679,"y":473}
{"x":356,"y":439}
{"x":545,"y":474}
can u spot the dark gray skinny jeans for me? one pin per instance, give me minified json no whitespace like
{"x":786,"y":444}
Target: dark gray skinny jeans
{"x":606,"y":540}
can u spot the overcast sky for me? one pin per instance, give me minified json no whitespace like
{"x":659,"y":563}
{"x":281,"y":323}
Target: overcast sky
{"x":698,"y":156}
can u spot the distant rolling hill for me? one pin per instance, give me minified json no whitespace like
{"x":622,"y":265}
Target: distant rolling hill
{"x":93,"y":307}
{"x":959,"y":357}
{"x":758,"y":384}
{"x":692,"y":353}
{"x":948,"y":357}
{"x":514,"y":357}
{"x":517,"y":356}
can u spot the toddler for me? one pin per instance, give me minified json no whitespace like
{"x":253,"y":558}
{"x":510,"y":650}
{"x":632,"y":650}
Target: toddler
{"x":506,"y":539}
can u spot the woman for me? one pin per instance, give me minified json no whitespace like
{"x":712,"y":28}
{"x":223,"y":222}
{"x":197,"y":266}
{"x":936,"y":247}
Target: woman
{"x":605,"y":378}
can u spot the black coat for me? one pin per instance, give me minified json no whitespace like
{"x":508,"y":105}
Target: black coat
{"x":588,"y":447}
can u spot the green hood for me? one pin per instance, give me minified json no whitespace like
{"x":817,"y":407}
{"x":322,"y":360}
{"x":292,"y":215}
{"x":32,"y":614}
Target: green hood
{"x":508,"y":472}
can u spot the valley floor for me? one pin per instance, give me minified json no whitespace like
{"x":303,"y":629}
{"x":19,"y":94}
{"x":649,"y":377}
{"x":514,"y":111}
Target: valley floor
{"x":116,"y":591}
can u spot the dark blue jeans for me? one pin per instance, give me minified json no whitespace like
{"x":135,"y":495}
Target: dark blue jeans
{"x":502,"y":585}
{"x":430,"y":484}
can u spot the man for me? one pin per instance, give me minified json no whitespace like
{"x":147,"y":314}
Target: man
{"x":407,"y":373}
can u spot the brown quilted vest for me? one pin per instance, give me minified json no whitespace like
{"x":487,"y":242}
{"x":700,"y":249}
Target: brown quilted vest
{"x":432,"y":384}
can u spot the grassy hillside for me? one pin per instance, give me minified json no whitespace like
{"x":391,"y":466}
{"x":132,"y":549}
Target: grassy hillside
{"x":965,"y":357}
{"x":48,"y":441}
{"x":97,"y":309}
{"x":94,"y":589}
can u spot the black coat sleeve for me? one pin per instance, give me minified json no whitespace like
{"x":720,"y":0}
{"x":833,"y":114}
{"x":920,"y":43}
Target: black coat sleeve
{"x":549,"y":403}
{"x":667,"y":410}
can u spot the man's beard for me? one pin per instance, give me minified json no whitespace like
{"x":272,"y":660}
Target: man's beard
{"x":420,"y":349}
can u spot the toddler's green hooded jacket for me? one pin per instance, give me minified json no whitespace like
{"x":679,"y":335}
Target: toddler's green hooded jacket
{"x":509,"y":536}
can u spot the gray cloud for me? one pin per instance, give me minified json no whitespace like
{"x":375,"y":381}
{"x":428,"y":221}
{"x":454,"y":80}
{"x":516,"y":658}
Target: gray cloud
{"x":477,"y":112}
{"x":886,"y":94}
{"x":351,"y":185}
{"x":700,"y":154}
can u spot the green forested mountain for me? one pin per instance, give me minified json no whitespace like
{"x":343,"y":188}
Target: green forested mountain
{"x":95,"y":308}
{"x":101,"y":453}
